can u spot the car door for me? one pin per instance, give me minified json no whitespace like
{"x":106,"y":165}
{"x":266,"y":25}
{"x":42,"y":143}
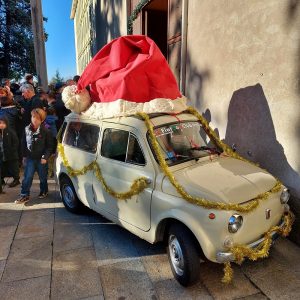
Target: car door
{"x":122,"y":159}
{"x":80,"y":147}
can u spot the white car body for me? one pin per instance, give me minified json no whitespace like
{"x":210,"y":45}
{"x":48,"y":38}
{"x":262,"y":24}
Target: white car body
{"x":148,"y":215}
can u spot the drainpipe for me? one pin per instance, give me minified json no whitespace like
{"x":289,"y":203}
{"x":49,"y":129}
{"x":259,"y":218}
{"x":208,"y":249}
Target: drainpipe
{"x":184,"y":26}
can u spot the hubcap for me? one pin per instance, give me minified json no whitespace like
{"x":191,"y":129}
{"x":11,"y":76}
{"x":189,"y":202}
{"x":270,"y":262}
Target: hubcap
{"x":68,"y":196}
{"x":176,"y":255}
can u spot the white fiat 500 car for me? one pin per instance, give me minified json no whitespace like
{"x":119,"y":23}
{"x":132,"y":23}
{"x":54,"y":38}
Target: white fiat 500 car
{"x":122,"y":149}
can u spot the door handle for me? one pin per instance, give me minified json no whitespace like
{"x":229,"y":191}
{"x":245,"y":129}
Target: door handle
{"x":94,"y":198}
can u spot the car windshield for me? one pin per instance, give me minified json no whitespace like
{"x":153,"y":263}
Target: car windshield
{"x":184,"y":141}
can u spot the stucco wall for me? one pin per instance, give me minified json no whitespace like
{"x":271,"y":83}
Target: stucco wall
{"x":111,"y":20}
{"x":96,"y":23}
{"x":243,"y":72}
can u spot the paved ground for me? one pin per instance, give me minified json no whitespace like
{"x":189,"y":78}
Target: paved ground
{"x":46,"y":252}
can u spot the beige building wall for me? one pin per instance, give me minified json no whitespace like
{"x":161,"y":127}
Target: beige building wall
{"x":83,"y":38}
{"x":96,"y":22}
{"x":243,"y":73}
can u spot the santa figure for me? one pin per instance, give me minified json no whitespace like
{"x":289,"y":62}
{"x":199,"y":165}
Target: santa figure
{"x":128,"y":75}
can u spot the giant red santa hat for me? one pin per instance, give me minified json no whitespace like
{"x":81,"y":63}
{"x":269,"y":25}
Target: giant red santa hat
{"x":128,"y":75}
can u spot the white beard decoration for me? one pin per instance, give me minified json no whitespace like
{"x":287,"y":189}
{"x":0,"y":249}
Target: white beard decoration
{"x":77,"y":103}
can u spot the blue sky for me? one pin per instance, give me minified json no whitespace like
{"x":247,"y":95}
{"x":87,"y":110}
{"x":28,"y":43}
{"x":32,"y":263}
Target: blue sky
{"x":60,"y":47}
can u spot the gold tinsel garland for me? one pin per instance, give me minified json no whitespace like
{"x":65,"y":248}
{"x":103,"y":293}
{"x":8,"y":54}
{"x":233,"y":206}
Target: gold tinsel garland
{"x":136,"y":188}
{"x":227,"y":150}
{"x":248,"y":207}
{"x":241,"y":252}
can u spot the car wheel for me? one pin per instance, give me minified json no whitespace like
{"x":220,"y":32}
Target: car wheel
{"x":69,"y":197}
{"x":183,"y":255}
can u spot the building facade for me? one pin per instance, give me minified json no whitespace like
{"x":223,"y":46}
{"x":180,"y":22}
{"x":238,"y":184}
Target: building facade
{"x":96,"y":22}
{"x":238,"y":63}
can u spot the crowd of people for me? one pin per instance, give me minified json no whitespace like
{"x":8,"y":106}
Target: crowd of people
{"x":30,"y":118}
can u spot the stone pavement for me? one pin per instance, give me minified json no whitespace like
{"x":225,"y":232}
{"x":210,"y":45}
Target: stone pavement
{"x":46,"y":252}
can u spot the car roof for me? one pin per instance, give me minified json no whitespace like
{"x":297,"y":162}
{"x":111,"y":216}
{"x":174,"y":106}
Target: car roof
{"x":157,"y":119}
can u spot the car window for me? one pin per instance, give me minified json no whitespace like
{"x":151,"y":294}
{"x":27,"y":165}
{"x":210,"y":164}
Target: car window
{"x":114,"y":144}
{"x":184,"y":141}
{"x":122,"y":146}
{"x":134,"y":152}
{"x":83,"y":136}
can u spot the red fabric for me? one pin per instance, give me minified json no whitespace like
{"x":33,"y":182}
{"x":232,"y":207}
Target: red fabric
{"x":130,"y":68}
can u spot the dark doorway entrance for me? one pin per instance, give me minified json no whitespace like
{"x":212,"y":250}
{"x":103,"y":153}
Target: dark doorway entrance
{"x":155,"y":23}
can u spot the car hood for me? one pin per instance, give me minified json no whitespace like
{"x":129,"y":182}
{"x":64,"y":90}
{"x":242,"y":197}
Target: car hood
{"x":223,"y":179}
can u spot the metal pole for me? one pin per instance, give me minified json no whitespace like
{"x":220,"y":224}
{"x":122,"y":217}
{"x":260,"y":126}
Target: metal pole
{"x":39,"y":42}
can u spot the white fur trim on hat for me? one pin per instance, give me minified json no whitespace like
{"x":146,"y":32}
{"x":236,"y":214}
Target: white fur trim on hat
{"x":76,"y":102}
{"x":121,"y":108}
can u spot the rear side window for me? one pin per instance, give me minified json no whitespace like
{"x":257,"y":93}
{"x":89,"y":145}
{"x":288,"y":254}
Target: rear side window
{"x":134,"y":152}
{"x":83,"y":136}
{"x":122,"y":146}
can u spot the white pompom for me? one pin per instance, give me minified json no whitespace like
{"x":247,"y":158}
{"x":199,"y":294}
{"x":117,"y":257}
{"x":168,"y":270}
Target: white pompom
{"x":76,"y":102}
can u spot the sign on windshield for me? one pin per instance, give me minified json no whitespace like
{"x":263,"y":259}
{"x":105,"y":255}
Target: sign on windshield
{"x":184,"y":141}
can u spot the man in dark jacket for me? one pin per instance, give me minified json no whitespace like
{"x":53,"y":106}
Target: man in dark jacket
{"x":10,"y":158}
{"x":59,"y":106}
{"x":2,"y":125}
{"x":37,"y":146}
{"x":30,"y":102}
{"x":1,"y":161}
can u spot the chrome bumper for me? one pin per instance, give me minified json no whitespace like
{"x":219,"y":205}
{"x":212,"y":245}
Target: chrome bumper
{"x":222,"y":257}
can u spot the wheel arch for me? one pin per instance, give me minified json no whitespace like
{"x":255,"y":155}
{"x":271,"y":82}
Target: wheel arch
{"x":164,"y":226}
{"x":78,"y":207}
{"x":63,"y":175}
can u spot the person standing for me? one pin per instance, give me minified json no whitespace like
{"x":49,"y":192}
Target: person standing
{"x":30,"y":102}
{"x":50,"y":123}
{"x":1,"y":160}
{"x":70,"y":82}
{"x":43,"y":96}
{"x":29,"y":80}
{"x":9,"y":156}
{"x":8,"y":108}
{"x":59,"y":106}
{"x":76,"y":79}
{"x":1,"y":156}
{"x":37,"y":145}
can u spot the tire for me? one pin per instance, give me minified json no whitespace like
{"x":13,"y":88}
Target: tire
{"x":183,"y":255}
{"x":69,"y":196}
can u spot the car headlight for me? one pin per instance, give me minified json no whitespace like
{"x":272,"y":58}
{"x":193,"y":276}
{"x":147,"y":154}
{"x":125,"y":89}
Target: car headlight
{"x":285,"y":196}
{"x":235,"y":223}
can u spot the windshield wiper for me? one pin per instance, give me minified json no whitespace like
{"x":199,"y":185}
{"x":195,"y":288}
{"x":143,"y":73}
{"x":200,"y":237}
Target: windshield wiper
{"x":205,"y":148}
{"x":175,"y":157}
